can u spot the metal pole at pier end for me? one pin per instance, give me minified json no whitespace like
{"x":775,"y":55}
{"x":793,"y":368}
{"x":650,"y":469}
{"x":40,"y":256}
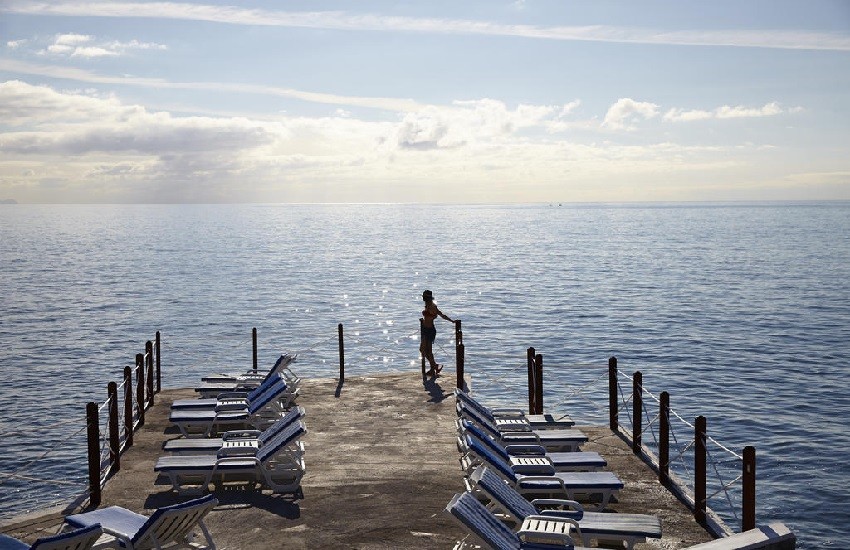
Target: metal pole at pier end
{"x":748,"y":490}
{"x":530,"y":361}
{"x":637,"y":411}
{"x":128,"y":406}
{"x":254,"y":347}
{"x":158,"y":348}
{"x":460,"y":359}
{"x":341,"y":354}
{"x":699,"y":470}
{"x":612,"y":394}
{"x":664,"y":440}
{"x":93,"y":433}
{"x":538,"y":384}
{"x":114,"y":436}
{"x":140,"y":387}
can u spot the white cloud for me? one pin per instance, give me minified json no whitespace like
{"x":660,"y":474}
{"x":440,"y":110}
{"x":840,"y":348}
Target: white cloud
{"x":87,"y":46}
{"x":625,"y":111}
{"x":726,"y":112}
{"x":14,"y":44}
{"x":781,"y":39}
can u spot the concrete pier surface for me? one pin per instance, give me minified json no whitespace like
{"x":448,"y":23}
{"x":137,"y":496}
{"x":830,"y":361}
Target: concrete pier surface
{"x":382,"y":464}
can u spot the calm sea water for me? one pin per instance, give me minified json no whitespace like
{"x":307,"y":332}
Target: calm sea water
{"x":740,"y":311}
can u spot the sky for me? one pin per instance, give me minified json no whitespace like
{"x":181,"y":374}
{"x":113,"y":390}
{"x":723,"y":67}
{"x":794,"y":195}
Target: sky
{"x":485,"y":101}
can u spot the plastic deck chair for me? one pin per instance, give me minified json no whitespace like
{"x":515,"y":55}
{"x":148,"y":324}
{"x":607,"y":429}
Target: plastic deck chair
{"x":78,"y":539}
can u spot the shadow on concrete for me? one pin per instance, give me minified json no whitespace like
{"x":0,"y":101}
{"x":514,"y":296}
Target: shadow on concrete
{"x":237,"y":498}
{"x":434,"y":389}
{"x":338,"y":391}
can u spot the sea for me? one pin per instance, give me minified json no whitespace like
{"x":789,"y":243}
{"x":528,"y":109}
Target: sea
{"x":740,"y":311}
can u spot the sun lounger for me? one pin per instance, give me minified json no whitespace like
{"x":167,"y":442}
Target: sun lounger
{"x":487,"y":531}
{"x":567,"y":440}
{"x":211,"y":386}
{"x":78,"y":539}
{"x":234,"y":399}
{"x":246,"y":442}
{"x":516,"y":455}
{"x":169,"y":527}
{"x":278,"y":465}
{"x":259,"y":414}
{"x":628,"y":529}
{"x":504,"y":415}
{"x":773,"y":537}
{"x":534,"y":480}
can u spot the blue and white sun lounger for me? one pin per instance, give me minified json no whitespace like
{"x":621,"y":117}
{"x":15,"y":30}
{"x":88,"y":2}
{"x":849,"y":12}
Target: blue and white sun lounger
{"x":629,"y":529}
{"x":78,"y":539}
{"x":278,"y":465}
{"x":211,"y":386}
{"x":245,"y":442}
{"x":539,"y":481}
{"x":259,"y":414}
{"x":567,"y":440}
{"x":235,"y":400}
{"x":487,"y":531}
{"x":506,"y":416}
{"x":169,"y":527}
{"x":517,"y":455}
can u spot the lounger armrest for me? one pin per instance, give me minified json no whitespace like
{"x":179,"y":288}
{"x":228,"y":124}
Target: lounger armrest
{"x":230,"y":406}
{"x":232,"y":395}
{"x":560,"y":507}
{"x":547,"y":479}
{"x":527,"y":449}
{"x":225,"y":459}
{"x":508,"y":413}
{"x":240,"y":434}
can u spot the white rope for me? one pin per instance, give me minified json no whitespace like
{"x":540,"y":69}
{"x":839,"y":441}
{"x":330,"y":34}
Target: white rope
{"x":5,"y":476}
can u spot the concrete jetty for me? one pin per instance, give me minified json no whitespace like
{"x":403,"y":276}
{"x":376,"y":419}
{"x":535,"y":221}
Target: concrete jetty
{"x":382,"y":464}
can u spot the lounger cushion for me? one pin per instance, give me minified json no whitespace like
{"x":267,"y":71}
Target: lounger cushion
{"x":118,"y":520}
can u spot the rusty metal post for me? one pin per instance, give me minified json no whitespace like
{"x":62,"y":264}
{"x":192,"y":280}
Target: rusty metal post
{"x":341,"y":354}
{"x":748,"y":490}
{"x":700,"y":470}
{"x":613,"y":422}
{"x":158,"y":348}
{"x":149,"y":374}
{"x":664,"y":440}
{"x":532,"y":406}
{"x":254,"y":348}
{"x":140,"y":387}
{"x":637,"y":411}
{"x":538,"y":384}
{"x":459,"y":352}
{"x":128,"y":405}
{"x":114,"y":436}
{"x":93,"y":436}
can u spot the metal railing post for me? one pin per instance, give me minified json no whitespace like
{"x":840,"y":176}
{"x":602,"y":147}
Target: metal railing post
{"x":254,"y":348}
{"x":140,"y":387}
{"x":149,"y":362}
{"x":700,"y":470}
{"x":637,"y":411}
{"x":613,"y":406}
{"x":158,"y":348}
{"x":114,"y":437}
{"x":532,"y":406}
{"x":538,"y":384}
{"x":128,"y":406}
{"x":664,"y":440}
{"x":341,"y":353}
{"x":93,"y":436}
{"x":748,"y":490}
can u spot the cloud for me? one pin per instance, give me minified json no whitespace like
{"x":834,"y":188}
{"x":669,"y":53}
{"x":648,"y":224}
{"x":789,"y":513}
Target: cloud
{"x":87,"y":46}
{"x":726,"y":112}
{"x":14,"y":44}
{"x":781,"y":39}
{"x":82,"y":75}
{"x":625,"y":111}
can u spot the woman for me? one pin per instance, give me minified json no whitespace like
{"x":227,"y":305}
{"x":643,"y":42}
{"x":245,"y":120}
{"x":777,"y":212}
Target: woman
{"x":429,"y":331}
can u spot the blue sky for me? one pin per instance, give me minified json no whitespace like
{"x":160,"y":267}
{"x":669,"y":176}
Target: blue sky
{"x":470,"y":102}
